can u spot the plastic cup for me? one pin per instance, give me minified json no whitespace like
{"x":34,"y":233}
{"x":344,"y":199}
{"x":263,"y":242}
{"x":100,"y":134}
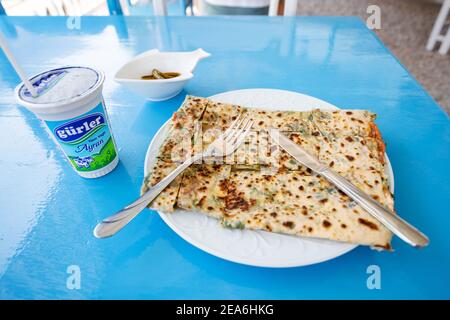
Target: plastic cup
{"x":70,"y":102}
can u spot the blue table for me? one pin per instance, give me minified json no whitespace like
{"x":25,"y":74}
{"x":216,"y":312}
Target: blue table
{"x":47,"y":212}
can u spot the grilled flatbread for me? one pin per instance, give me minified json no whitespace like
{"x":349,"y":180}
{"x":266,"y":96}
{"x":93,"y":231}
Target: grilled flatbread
{"x":185,"y":123}
{"x":167,"y":198}
{"x":300,"y":205}
{"x":202,"y":189}
{"x":262,"y":187}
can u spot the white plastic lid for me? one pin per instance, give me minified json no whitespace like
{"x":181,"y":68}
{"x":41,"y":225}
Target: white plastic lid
{"x":61,"y":85}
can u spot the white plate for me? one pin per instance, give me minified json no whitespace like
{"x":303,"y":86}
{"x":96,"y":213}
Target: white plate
{"x":255,"y":248}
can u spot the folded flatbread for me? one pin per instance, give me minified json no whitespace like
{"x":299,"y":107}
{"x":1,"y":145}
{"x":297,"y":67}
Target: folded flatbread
{"x":261,"y":187}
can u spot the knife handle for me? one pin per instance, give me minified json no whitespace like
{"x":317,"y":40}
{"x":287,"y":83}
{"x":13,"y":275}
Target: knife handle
{"x":112,"y":224}
{"x":393,"y":222}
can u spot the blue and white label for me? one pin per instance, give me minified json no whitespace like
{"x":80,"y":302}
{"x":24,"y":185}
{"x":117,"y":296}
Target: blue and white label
{"x":76,"y":130}
{"x":86,"y":140}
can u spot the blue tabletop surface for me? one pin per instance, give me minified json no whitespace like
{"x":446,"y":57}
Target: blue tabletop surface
{"x":47,"y":211}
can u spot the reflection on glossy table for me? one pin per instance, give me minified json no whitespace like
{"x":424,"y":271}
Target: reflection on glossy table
{"x":47,"y":211}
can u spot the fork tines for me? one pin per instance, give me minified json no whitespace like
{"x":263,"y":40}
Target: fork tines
{"x":238,"y":128}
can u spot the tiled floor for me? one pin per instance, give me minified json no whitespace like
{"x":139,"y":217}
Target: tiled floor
{"x":405,"y":27}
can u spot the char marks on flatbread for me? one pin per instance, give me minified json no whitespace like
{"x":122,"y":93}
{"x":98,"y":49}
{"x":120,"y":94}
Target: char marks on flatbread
{"x":166,"y":200}
{"x":202,"y":189}
{"x":299,"y":205}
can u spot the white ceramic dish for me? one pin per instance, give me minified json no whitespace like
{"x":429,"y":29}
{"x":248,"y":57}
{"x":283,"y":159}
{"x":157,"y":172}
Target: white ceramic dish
{"x":184,"y":63}
{"x":255,"y":248}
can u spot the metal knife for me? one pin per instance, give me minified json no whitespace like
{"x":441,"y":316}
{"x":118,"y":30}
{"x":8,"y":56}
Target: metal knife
{"x":390,"y":220}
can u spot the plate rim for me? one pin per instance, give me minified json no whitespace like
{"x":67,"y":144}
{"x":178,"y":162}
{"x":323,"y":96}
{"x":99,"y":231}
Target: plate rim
{"x":243,"y":260}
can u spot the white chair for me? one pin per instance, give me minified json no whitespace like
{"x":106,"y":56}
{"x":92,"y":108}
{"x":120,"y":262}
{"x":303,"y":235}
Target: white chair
{"x":438,"y":27}
{"x":159,"y":8}
{"x":46,"y":8}
{"x":64,"y":7}
{"x":290,"y":7}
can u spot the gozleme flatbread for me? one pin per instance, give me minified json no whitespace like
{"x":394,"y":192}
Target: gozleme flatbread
{"x":299,"y":205}
{"x":185,"y":122}
{"x":262,"y":187}
{"x":187,"y":135}
{"x":258,"y":149}
{"x":342,"y":122}
{"x":167,"y":198}
{"x":219,"y":115}
{"x":202,"y":189}
{"x":336,"y":122}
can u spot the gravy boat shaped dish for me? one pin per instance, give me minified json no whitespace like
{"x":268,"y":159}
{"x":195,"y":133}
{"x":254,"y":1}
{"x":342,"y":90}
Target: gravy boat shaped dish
{"x":183,"y":63}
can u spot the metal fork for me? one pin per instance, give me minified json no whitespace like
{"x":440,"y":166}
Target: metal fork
{"x":224,"y":145}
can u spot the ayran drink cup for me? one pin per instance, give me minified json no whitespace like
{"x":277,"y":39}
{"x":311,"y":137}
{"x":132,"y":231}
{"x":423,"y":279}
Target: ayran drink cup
{"x":69,"y":100}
